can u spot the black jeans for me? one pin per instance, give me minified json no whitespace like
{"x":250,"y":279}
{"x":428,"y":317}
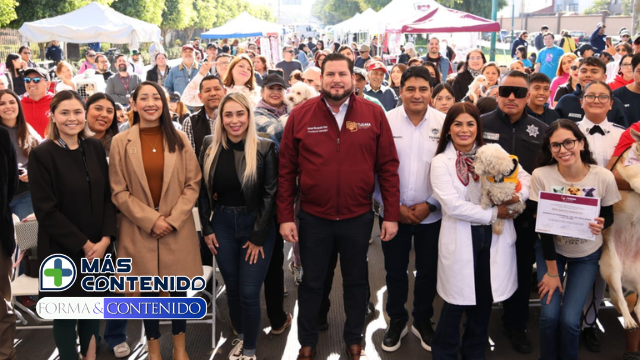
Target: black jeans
{"x":274,"y":285}
{"x":396,"y":263}
{"x":152,"y":326}
{"x":318,"y":238}
{"x":516,"y":308}
{"x":446,"y":342}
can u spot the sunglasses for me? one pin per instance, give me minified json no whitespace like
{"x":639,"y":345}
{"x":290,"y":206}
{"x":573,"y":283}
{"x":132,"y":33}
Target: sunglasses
{"x":517,"y":91}
{"x":574,"y":67}
{"x":35,"y":80}
{"x":91,"y":55}
{"x":290,"y":51}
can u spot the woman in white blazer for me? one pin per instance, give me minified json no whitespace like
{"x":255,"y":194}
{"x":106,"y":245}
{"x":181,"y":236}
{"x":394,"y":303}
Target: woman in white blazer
{"x":475,"y":266}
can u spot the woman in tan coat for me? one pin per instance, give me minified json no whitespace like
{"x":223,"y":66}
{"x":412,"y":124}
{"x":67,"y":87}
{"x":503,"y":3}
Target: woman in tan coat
{"x":155,"y":181}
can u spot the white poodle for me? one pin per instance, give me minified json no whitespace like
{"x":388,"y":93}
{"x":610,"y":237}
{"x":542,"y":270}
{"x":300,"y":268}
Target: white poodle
{"x":475,"y":88}
{"x":296,"y":95}
{"x":498,"y":173}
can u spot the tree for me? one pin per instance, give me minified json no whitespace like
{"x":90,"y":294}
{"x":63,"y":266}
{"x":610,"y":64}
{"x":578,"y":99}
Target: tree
{"x":597,"y":7}
{"x":627,"y":7}
{"x":335,"y":11}
{"x":7,"y":11}
{"x":376,"y":5}
{"x":177,"y":14}
{"x":145,"y":10}
{"x":481,"y":8}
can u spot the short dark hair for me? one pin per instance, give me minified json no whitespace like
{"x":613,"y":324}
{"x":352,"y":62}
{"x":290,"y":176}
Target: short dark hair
{"x":345,"y":47}
{"x":635,"y":61}
{"x":223,"y":54}
{"x":456,"y":110}
{"x":544,"y":27}
{"x":416,"y":72}
{"x":440,"y":87}
{"x":539,"y":78}
{"x":22,"y":48}
{"x":207,"y":78}
{"x":548,"y":33}
{"x":516,"y":74}
{"x":337,"y":57}
{"x":119,"y":56}
{"x":593,"y":61}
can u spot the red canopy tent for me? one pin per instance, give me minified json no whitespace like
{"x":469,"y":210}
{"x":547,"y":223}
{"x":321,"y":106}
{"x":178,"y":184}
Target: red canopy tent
{"x":442,"y":19}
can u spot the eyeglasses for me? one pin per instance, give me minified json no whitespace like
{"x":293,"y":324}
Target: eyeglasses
{"x":91,"y":55}
{"x":224,"y":63}
{"x":290,"y":51}
{"x":574,"y":67}
{"x":568,"y":144}
{"x":591,"y":98}
{"x":518,"y":91}
{"x":35,"y":80}
{"x":475,"y":58}
{"x":251,"y":56}
{"x":625,"y":65}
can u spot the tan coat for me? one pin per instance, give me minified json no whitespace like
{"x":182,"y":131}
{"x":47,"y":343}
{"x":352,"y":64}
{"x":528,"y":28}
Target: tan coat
{"x":177,"y":253}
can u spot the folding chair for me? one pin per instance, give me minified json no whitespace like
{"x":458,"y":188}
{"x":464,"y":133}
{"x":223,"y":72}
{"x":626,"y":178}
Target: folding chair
{"x":23,"y":285}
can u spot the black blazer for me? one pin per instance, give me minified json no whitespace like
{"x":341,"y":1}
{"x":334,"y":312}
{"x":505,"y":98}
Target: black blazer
{"x":71,"y":210}
{"x":8,"y":186}
{"x":259,"y":195}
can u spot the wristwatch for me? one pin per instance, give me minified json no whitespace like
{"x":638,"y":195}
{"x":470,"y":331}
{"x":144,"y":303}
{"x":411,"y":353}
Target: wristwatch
{"x":432,"y":208}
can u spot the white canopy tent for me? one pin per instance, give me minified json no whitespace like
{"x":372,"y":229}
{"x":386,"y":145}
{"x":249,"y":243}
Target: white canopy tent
{"x":92,"y":23}
{"x":244,"y":25}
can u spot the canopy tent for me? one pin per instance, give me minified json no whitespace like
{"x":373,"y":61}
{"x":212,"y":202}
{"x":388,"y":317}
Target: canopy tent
{"x":440,"y":19}
{"x":92,"y":23}
{"x":244,"y":25}
{"x":401,"y":10}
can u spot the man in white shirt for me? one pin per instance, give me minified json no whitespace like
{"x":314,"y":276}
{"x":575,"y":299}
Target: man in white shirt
{"x":416,"y":130}
{"x":136,"y":65}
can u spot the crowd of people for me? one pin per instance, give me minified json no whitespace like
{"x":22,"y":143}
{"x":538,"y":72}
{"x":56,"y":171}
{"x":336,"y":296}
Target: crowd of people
{"x":302,"y":151}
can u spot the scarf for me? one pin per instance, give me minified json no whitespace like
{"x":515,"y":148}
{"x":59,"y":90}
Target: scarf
{"x":464,"y":166}
{"x":277,"y":111}
{"x":474,"y":73}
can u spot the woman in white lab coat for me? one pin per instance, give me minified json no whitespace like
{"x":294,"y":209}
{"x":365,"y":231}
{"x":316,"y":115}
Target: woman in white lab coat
{"x":475,"y":266}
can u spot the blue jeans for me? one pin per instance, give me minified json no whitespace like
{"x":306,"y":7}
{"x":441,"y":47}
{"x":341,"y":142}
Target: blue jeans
{"x":115,"y":332}
{"x":446,"y":342}
{"x":232,"y":226}
{"x":21,"y":205}
{"x":560,"y":319}
{"x":152,"y":326}
{"x":424,"y":238}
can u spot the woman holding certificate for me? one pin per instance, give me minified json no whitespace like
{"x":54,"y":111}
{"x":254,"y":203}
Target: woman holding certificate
{"x":568,"y":168}
{"x":475,"y":266}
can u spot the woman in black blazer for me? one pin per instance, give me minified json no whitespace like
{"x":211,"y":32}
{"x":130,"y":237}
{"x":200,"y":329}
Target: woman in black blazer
{"x":69,"y":182}
{"x":472,"y":68}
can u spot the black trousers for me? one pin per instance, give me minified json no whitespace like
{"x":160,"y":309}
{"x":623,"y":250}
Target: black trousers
{"x":516,"y":308}
{"x":318,"y":238}
{"x":274,"y":285}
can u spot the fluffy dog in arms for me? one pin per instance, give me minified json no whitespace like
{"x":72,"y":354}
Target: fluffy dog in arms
{"x":620,"y":260}
{"x":475,"y":89}
{"x":498,"y":173}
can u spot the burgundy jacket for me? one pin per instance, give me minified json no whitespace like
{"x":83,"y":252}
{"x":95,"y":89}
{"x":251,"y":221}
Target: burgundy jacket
{"x":337,"y":168}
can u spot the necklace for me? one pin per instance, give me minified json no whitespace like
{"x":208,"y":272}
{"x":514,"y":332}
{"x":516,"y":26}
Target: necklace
{"x":154,"y":144}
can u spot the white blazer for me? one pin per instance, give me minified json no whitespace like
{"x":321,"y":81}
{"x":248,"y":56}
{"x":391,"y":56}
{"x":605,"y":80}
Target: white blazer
{"x":455,"y":251}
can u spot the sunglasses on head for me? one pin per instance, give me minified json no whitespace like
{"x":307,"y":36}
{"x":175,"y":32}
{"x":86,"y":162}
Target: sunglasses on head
{"x":35,"y":80}
{"x":517,"y":91}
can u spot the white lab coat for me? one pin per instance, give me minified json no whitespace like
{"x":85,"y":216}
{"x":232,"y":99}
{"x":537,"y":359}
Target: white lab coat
{"x":455,"y":252}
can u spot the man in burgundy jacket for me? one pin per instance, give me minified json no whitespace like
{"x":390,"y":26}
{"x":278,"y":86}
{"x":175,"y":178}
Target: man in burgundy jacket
{"x":335,"y":144}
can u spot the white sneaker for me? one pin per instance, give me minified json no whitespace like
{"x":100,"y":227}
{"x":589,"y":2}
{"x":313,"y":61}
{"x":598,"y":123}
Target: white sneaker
{"x":236,"y":352}
{"x":121,"y":350}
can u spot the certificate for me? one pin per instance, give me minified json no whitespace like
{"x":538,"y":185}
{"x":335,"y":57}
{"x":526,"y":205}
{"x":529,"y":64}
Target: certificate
{"x":566,"y":215}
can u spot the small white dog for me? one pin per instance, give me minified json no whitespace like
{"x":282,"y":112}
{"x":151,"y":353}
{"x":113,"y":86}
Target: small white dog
{"x":296,"y":95}
{"x":498,"y":173}
{"x":475,"y":88}
{"x":620,"y":260}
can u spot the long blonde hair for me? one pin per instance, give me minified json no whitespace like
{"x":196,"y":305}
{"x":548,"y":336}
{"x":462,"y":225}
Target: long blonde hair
{"x":220,"y":137}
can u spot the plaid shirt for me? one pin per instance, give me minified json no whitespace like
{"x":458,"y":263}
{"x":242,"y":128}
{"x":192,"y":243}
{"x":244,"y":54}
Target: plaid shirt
{"x":188,"y":128}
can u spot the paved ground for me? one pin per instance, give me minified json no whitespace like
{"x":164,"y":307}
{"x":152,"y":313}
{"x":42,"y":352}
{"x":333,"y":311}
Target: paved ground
{"x":38,"y":343}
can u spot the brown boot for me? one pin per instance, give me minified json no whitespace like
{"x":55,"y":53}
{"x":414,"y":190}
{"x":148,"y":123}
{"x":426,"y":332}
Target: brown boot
{"x":179,"y":352}
{"x":154,"y":349}
{"x":306,"y":353}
